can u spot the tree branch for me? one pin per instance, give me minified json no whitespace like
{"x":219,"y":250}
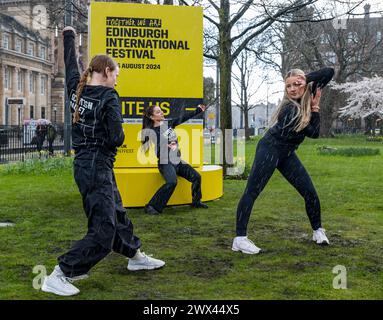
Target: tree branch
{"x":240,"y":13}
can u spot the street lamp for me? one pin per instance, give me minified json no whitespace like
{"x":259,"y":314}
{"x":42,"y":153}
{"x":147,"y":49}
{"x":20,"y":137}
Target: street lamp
{"x":267,"y":99}
{"x":267,"y":105}
{"x":217,"y":93}
{"x":55,"y":113}
{"x":19,"y":114}
{"x":68,"y":21}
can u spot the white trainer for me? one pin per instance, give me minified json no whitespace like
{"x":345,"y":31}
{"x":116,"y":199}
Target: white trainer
{"x":143,"y":262}
{"x":244,"y":245}
{"x":78,"y":278}
{"x":319,"y":237}
{"x":59,"y":284}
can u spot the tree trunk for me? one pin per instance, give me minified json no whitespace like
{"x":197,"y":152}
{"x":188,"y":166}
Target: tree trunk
{"x":247,"y":129}
{"x":225,"y":64}
{"x":330,"y":103}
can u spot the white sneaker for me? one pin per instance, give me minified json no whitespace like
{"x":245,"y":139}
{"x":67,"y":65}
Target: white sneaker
{"x":77,"y":278}
{"x":143,"y":262}
{"x":319,"y":237}
{"x":59,"y":284}
{"x":244,"y":245}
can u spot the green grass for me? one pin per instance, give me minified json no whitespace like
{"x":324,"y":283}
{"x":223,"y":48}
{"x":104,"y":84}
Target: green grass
{"x":47,"y":210}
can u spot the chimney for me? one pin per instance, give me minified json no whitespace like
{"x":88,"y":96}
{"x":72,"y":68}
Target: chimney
{"x":367,"y":8}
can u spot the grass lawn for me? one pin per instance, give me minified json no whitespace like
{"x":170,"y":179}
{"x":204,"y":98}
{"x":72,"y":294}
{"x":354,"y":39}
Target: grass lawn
{"x":196,"y":244}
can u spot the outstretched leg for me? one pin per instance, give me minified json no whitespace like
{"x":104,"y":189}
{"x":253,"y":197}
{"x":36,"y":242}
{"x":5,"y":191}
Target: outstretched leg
{"x":162,"y":196}
{"x":94,"y":179}
{"x":125,"y":242}
{"x":186,"y":171}
{"x":265,"y":162}
{"x":295,"y":173}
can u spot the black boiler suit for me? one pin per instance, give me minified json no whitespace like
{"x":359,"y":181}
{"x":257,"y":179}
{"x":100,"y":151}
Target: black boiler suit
{"x":95,"y":139}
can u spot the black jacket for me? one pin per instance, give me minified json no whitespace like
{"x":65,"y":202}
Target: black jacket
{"x":320,"y":78}
{"x":167,"y":140}
{"x":283,"y":132}
{"x":100,"y":125}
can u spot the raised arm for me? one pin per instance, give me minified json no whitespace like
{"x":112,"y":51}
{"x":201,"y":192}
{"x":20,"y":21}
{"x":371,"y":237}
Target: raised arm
{"x":313,"y":128}
{"x":72,"y":74}
{"x":320,"y":78}
{"x":114,"y":121}
{"x":186,"y":116}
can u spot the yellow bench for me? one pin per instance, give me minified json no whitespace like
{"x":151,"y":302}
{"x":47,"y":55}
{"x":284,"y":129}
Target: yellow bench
{"x":138,"y":185}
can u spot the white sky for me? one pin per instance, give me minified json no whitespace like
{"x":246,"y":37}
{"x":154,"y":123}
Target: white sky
{"x":273,"y":90}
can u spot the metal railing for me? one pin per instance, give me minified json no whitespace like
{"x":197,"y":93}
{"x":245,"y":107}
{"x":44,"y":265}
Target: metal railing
{"x":19,"y":143}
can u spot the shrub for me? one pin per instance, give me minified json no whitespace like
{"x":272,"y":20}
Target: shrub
{"x":38,"y":166}
{"x":375,"y":138}
{"x":348,"y":152}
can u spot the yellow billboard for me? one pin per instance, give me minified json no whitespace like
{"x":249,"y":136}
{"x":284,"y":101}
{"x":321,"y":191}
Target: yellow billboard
{"x":159,"y":51}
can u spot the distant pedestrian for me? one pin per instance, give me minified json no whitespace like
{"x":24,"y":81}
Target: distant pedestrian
{"x":51,"y":136}
{"x":41,"y":132}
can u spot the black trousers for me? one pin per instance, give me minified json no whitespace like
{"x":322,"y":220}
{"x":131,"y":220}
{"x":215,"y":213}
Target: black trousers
{"x":40,"y":142}
{"x":169,"y":172}
{"x":271,"y":156}
{"x":108,"y":226}
{"x":50,"y":146}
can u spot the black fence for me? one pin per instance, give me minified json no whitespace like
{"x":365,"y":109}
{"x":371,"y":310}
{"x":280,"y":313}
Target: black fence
{"x":19,"y":143}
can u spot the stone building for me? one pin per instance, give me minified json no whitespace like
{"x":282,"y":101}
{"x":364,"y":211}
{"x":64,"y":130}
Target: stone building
{"x":31,"y":57}
{"x":25,"y":73}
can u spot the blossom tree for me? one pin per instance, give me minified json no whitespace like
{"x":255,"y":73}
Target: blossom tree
{"x":365,"y":98}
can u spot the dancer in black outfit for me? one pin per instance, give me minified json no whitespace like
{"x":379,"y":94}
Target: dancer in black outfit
{"x":296,"y":118}
{"x":96,"y":134}
{"x":160,"y":132}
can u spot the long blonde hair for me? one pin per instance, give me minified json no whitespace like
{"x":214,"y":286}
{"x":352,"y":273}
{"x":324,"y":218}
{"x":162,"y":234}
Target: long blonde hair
{"x":303,"y":116}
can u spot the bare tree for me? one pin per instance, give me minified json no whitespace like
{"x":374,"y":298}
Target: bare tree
{"x":255,"y":18}
{"x":243,"y":84}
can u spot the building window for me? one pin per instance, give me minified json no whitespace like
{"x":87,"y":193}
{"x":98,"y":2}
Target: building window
{"x":43,"y":85}
{"x":31,"y":49}
{"x":7,"y":78}
{"x":20,"y":81}
{"x":378,"y":37}
{"x":5,"y":41}
{"x":352,"y":37}
{"x":18,"y":45}
{"x":330,"y":57}
{"x":43,"y":112}
{"x":31,"y":112}
{"x":323,"y":39}
{"x":43,"y":53}
{"x":32,"y":82}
